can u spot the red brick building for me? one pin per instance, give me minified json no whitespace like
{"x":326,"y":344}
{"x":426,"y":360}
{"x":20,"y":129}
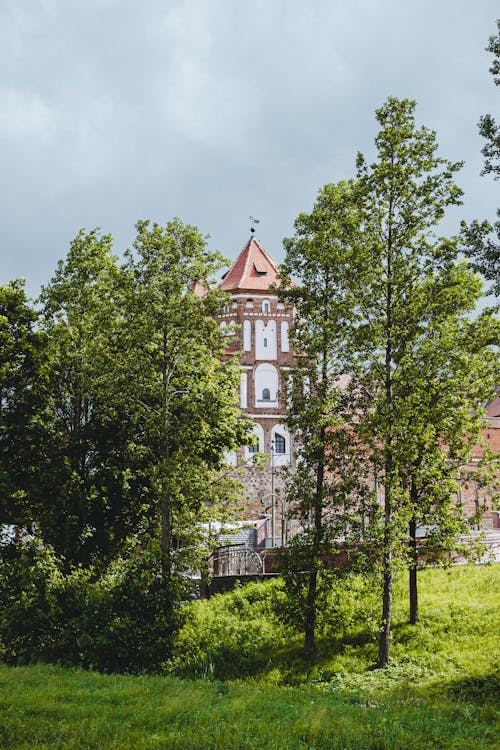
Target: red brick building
{"x":262,"y":336}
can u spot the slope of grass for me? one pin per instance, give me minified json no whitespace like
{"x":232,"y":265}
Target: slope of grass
{"x":241,"y":634}
{"x":441,"y":691}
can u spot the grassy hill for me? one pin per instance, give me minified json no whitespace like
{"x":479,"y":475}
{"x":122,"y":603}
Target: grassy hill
{"x":441,"y":692}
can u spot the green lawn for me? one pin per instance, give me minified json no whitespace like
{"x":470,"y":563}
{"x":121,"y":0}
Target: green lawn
{"x":441,"y":692}
{"x":49,"y":707}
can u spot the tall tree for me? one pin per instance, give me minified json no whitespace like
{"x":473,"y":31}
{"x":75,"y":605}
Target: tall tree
{"x":481,"y":239}
{"x":179,"y":387}
{"x":411,"y":285}
{"x":85,"y":500}
{"x":324,"y":492}
{"x":448,"y":372}
{"x":22,"y":402}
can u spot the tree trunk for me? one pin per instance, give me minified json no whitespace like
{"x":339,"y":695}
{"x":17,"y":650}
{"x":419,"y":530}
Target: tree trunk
{"x":385,"y":628}
{"x":165,"y":510}
{"x":310,"y":619}
{"x":310,"y":615}
{"x":414,"y":616}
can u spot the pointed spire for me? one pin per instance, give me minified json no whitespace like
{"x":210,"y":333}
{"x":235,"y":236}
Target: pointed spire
{"x":254,"y":270}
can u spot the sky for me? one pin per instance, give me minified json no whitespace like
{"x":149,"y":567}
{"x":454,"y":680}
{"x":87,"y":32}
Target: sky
{"x":217,"y":110}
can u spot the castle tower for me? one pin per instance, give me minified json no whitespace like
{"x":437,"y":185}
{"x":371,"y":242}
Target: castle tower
{"x":263,"y":338}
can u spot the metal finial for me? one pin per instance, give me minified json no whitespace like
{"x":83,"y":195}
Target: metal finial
{"x":254,"y":222}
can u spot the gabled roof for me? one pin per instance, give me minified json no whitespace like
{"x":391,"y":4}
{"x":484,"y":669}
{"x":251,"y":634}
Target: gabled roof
{"x":253,"y":270}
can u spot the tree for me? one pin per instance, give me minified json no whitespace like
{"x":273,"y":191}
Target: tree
{"x":326,"y":490}
{"x":479,"y":238}
{"x":180,"y":389}
{"x":488,"y":128}
{"x":449,"y":372}
{"x":412,"y":290}
{"x":22,"y":401}
{"x":85,"y":501}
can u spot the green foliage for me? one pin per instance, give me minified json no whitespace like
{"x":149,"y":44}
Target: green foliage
{"x":119,"y":621}
{"x":39,"y":605}
{"x":231,"y":635}
{"x":23,"y":357}
{"x":253,"y":632}
{"x":85,"y":498}
{"x":488,"y":128}
{"x":481,"y":240}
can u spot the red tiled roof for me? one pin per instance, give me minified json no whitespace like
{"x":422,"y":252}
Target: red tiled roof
{"x":493,"y":408}
{"x":253,"y":270}
{"x":200,"y":289}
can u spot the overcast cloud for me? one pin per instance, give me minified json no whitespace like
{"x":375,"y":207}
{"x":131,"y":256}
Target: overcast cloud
{"x":212,"y":110}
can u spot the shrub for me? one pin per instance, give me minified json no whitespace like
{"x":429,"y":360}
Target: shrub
{"x":120,"y":621}
{"x":231,"y":635}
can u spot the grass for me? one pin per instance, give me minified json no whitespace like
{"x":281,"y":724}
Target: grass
{"x":50,"y":707}
{"x":441,"y":692}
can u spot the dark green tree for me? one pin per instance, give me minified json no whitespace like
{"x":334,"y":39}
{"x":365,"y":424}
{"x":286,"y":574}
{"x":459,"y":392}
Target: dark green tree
{"x":85,"y":502}
{"x":180,"y":389}
{"x":23,"y":361}
{"x":481,"y":239}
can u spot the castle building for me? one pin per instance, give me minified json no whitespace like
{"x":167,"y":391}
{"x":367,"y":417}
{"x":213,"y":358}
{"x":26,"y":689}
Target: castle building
{"x":261,"y":334}
{"x":258,"y":325}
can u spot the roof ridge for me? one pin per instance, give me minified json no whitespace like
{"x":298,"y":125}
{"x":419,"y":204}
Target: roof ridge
{"x":247,"y":261}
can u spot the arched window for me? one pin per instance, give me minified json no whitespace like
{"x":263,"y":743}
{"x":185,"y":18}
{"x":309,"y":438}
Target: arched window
{"x":266,"y":307}
{"x":282,"y":445}
{"x":249,"y":303}
{"x":266,"y":381}
{"x":247,"y":336}
{"x":279,"y":444}
{"x":243,"y":391}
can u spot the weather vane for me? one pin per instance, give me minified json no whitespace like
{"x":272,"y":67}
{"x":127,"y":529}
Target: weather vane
{"x":254,"y":222}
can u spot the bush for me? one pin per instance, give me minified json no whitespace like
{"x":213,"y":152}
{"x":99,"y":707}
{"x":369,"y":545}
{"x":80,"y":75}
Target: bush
{"x":121,"y":621}
{"x":232,"y":635}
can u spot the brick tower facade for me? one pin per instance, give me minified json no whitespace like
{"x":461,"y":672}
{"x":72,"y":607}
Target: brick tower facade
{"x":262,"y":336}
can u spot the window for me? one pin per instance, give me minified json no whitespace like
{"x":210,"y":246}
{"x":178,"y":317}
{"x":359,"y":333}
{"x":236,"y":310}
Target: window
{"x":253,"y":448}
{"x":266,"y":382}
{"x":279,"y":444}
{"x":260,"y":268}
{"x":266,"y":307}
{"x":249,"y":303}
{"x":226,"y":309}
{"x":282,"y":444}
{"x":247,"y":335}
{"x":285,"y":343}
{"x":265,"y":339}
